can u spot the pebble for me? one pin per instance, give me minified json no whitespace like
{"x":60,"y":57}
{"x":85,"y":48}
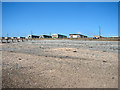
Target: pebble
{"x":104,"y":61}
{"x":90,"y":47}
{"x":11,"y":51}
{"x":104,"y":51}
{"x":19,"y":58}
{"x":74,"y":51}
{"x":66,"y":56}
{"x":112,"y":77}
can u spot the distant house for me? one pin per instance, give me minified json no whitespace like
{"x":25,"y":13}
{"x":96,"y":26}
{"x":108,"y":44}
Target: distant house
{"x":96,"y":37}
{"x":77,"y":36}
{"x":58,"y":36}
{"x":32,"y":36}
{"x":26,"y":38}
{"x":7,"y":37}
{"x":45,"y":36}
{"x":13,"y":37}
{"x":20,"y":37}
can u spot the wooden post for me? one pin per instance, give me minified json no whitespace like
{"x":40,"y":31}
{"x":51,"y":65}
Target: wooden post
{"x":1,"y":40}
{"x":7,"y":40}
{"x":22,"y":40}
{"x":99,"y":31}
{"x":17,"y":40}
{"x":31,"y":35}
{"x":12,"y":40}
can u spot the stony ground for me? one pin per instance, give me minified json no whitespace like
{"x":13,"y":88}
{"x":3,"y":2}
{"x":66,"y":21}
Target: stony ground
{"x":60,"y":64}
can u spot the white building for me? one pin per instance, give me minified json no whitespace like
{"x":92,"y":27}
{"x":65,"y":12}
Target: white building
{"x":77,"y":36}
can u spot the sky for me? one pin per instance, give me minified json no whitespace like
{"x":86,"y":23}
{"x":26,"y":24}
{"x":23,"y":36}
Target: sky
{"x":22,"y":18}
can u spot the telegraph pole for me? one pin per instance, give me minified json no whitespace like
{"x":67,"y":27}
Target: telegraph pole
{"x":31,"y":35}
{"x":7,"y":38}
{"x":99,"y":31}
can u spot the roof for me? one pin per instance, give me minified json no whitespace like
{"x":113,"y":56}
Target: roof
{"x":32,"y":35}
{"x":58,"y":34}
{"x":44,"y":35}
{"x":77,"y":34}
{"x":74,"y":34}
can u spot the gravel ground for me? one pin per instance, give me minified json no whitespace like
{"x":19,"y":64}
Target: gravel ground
{"x":60,"y":64}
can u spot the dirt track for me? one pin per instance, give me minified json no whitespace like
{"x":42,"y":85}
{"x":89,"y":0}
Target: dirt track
{"x":60,"y":64}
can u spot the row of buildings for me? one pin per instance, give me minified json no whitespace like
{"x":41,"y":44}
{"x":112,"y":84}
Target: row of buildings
{"x":47,"y":36}
{"x":63,"y":36}
{"x":53,"y":36}
{"x":57,"y":36}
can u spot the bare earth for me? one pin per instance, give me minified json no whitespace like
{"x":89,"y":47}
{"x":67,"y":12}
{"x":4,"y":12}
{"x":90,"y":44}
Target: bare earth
{"x":60,"y":64}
